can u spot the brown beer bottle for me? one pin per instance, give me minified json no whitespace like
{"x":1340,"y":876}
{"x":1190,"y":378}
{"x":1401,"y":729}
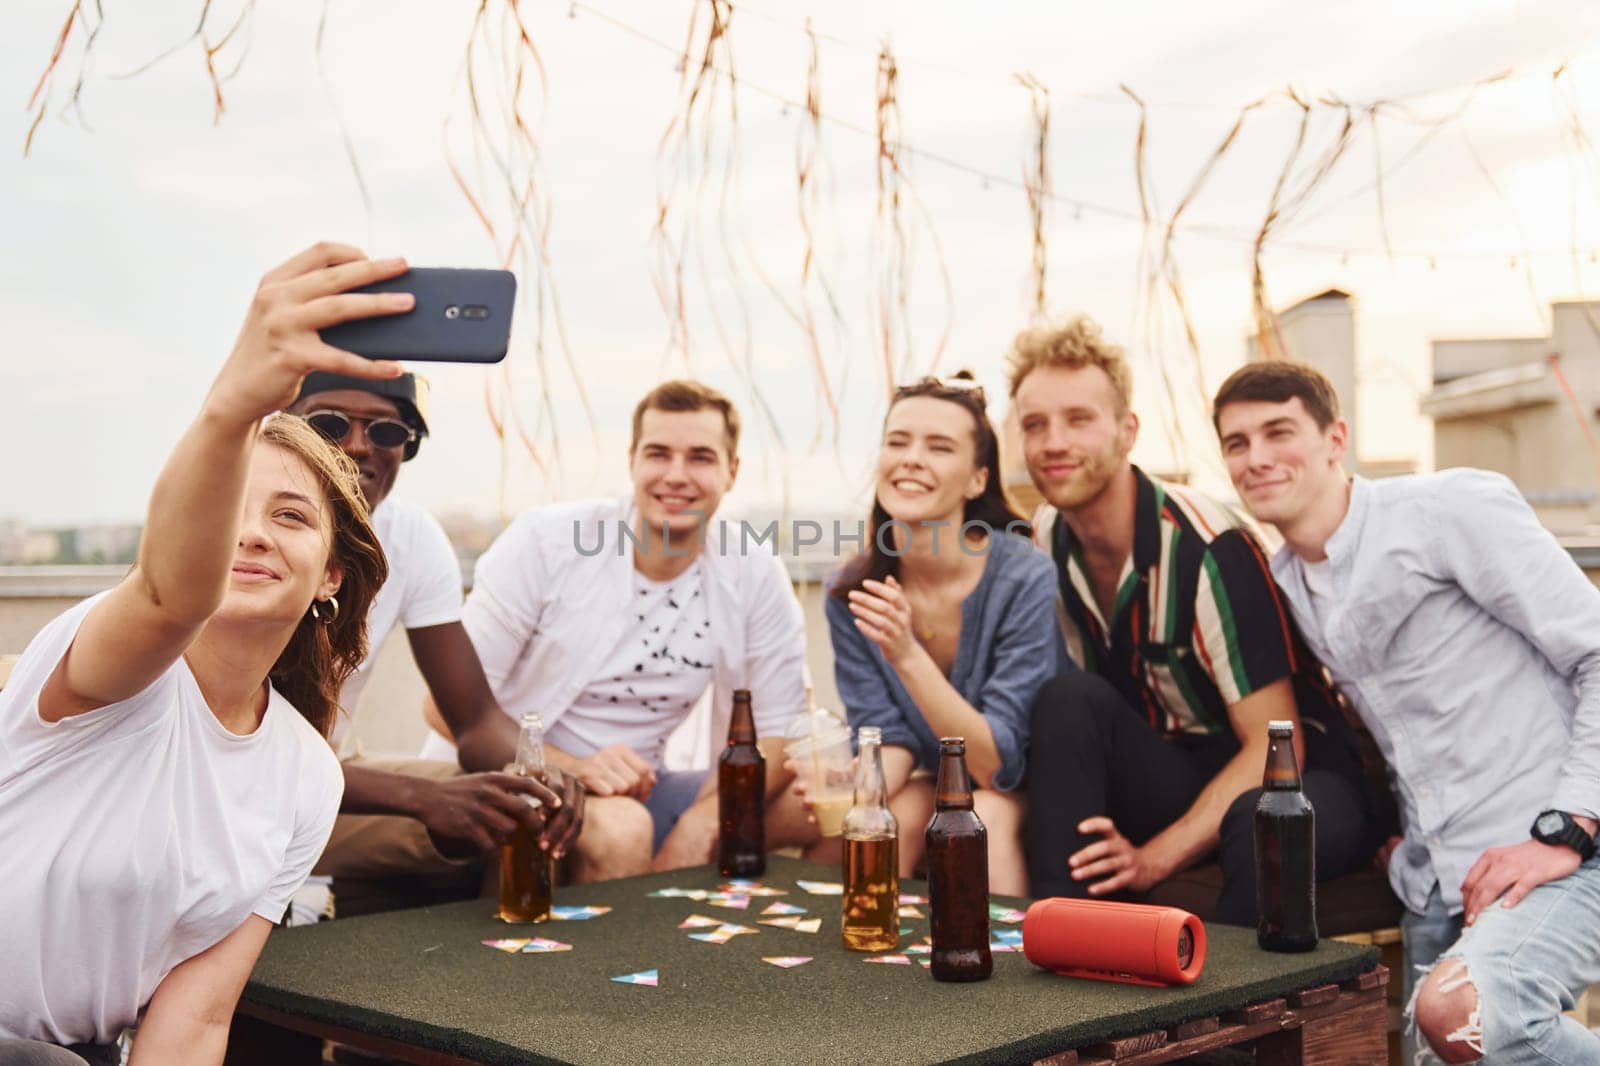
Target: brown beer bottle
{"x":1286,"y":851}
{"x":527,"y":873}
{"x":871,"y":904}
{"x":742,"y":796}
{"x":958,"y":873}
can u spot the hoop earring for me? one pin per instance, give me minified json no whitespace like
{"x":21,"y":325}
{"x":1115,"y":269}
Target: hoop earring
{"x":333,"y":612}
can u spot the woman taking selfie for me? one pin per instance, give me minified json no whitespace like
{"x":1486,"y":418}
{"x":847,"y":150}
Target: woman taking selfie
{"x":946,"y":624}
{"x":165,"y":784}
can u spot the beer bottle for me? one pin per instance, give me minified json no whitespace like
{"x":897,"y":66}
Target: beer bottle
{"x":958,"y":873}
{"x":1286,"y":851}
{"x":527,"y":873}
{"x":742,"y":796}
{"x":871,"y":911}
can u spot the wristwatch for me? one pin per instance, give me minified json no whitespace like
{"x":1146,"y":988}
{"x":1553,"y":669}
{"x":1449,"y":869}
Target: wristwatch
{"x":1557,"y":827}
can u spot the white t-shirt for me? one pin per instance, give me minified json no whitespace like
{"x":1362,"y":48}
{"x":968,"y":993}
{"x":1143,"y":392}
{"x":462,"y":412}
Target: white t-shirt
{"x":423,"y":589}
{"x":653,"y":677}
{"x":137,"y":836}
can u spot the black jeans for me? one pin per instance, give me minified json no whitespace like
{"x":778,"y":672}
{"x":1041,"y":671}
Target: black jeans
{"x":1090,"y":754}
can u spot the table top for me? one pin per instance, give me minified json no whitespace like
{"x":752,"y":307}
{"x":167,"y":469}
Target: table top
{"x":423,"y":977}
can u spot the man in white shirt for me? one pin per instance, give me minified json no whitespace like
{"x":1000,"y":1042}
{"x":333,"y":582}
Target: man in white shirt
{"x":612,"y":618}
{"x":405,"y":816}
{"x":1469,"y":642}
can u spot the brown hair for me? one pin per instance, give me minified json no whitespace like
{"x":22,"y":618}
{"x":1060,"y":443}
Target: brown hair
{"x":688,"y":396}
{"x":1075,"y":344}
{"x":1277,"y":381}
{"x":321,"y":655}
{"x":993,"y":508}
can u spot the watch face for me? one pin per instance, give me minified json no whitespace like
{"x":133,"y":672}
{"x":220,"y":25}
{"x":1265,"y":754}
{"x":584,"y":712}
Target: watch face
{"x":1549,"y":823}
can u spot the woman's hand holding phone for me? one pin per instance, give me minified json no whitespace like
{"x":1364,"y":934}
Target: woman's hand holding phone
{"x":278,"y":345}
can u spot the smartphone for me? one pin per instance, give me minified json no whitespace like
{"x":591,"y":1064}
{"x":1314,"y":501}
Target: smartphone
{"x":461,"y":316}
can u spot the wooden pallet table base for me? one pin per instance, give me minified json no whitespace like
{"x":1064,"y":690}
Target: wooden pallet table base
{"x":1333,"y":1025}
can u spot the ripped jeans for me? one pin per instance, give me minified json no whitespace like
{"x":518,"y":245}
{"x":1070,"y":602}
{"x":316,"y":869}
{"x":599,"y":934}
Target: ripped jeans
{"x":1528,"y":965}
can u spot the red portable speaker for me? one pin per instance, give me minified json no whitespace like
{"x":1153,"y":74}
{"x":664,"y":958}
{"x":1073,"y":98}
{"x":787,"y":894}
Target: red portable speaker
{"x":1106,"y":941}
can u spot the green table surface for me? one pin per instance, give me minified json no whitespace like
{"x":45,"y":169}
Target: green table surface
{"x":423,"y":977}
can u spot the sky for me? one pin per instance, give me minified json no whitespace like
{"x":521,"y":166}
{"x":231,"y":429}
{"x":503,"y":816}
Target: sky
{"x":137,"y":226}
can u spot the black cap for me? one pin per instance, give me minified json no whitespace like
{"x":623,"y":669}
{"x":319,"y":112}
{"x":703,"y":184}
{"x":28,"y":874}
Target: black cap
{"x":402,"y":390}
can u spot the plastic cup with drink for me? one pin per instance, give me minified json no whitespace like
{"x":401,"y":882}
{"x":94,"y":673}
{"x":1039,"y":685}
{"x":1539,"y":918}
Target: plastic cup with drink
{"x":818,"y":744}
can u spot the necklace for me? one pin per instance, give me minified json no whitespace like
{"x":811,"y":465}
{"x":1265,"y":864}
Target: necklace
{"x":925,"y":633}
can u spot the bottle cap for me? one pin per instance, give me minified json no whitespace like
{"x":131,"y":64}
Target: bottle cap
{"x":1280,"y":729}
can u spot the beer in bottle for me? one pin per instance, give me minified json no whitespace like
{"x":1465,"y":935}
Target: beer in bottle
{"x":871,"y":919}
{"x":527,"y":873}
{"x":958,"y":873}
{"x":742,"y":796}
{"x":1286,"y":851}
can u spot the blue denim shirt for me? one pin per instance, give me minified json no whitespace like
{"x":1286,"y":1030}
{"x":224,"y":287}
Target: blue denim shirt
{"x":1469,"y":641}
{"x":1010,"y":645}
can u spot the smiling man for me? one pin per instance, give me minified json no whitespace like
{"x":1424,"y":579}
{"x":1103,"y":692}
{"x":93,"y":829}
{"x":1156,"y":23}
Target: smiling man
{"x":1469,"y":641}
{"x":410,"y":816}
{"x":1149,"y":760}
{"x":612,"y":618}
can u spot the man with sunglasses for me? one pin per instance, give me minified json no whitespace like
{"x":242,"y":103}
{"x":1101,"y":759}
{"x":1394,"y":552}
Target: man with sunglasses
{"x":408,"y":816}
{"x":1147,"y":761}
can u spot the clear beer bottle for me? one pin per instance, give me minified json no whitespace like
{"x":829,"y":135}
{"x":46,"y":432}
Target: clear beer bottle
{"x":1286,"y":851}
{"x":871,"y":904}
{"x":958,"y":873}
{"x":742,"y":796}
{"x":527,"y":873}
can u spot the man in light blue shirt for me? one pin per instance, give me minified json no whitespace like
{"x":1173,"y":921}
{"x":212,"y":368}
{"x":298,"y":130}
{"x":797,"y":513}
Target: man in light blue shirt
{"x":1469,"y":642}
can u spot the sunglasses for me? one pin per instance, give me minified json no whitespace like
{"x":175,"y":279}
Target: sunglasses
{"x":382,"y":432}
{"x":932,"y":384}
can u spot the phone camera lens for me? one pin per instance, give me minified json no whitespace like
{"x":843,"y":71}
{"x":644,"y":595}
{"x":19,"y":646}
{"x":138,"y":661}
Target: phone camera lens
{"x":452,"y":311}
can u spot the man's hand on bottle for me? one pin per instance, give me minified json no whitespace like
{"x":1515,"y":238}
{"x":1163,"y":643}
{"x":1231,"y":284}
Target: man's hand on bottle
{"x":566,"y":821}
{"x":616,"y":771}
{"x":473,"y":813}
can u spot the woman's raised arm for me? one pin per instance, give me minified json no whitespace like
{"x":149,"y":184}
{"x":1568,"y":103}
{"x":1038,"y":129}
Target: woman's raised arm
{"x":192,"y":530}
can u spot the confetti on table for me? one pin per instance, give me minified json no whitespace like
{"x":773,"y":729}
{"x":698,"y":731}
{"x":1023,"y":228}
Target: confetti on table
{"x":906,"y":930}
{"x":736,"y":903}
{"x":784,"y":908}
{"x":735,"y":929}
{"x":643,"y":977}
{"x":1010,"y":936}
{"x":539,"y":945}
{"x":751,"y":888}
{"x":798,"y":924}
{"x":696,"y":894}
{"x":908,"y":900}
{"x":786,"y":961}
{"x":822,"y":888}
{"x":909,"y":911}
{"x":577,"y":914}
{"x":511,"y":946}
{"x":892,"y":960}
{"x":716,"y":936}
{"x":925,"y":963}
{"x":699,"y":921}
{"x":920,"y":949}
{"x":998,"y":913}
{"x":999,"y":946}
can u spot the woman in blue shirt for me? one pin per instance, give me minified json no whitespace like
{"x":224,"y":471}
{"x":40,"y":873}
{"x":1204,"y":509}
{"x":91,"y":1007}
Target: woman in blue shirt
{"x":946,"y":624}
